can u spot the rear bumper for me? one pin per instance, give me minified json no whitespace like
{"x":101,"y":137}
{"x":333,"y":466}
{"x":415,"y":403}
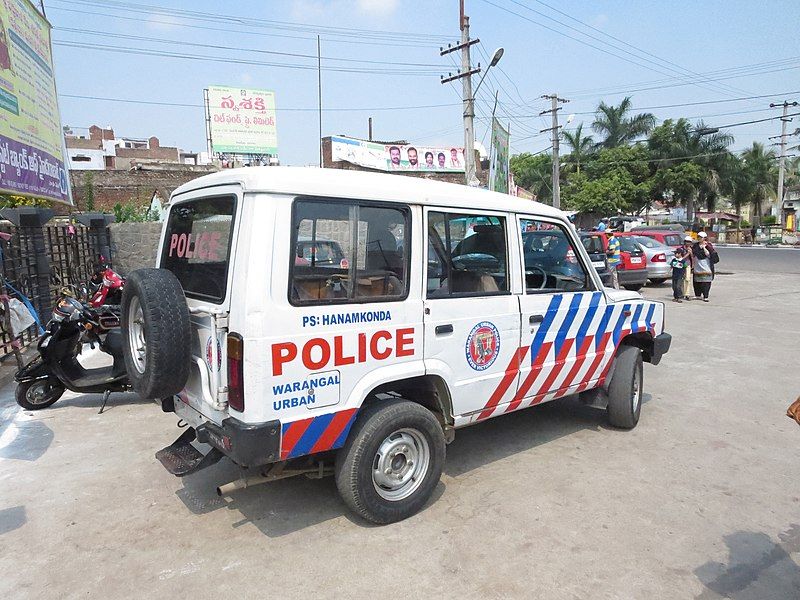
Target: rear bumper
{"x":632,"y":277}
{"x":247,"y":444}
{"x":659,"y":271}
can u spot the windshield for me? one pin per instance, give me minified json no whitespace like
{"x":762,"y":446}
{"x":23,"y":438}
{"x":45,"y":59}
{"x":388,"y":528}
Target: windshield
{"x":197,"y":246}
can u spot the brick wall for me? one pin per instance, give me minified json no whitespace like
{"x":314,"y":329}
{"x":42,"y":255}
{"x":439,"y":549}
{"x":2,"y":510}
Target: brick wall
{"x":138,"y":186}
{"x":134,"y":245}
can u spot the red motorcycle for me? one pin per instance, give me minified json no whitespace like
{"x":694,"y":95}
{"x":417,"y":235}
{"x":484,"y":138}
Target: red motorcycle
{"x":105,"y":286}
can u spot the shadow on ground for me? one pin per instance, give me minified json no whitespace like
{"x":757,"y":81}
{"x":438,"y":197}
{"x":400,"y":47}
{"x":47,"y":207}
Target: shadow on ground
{"x":12,"y":518}
{"x":758,"y":568}
{"x":289,"y":505}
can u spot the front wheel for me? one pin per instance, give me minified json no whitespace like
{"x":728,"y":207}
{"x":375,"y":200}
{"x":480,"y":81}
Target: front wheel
{"x":391,"y":462}
{"x":38,"y":394}
{"x":625,"y":389}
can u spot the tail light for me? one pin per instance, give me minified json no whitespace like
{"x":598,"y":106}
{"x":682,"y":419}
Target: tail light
{"x":236,"y":372}
{"x":570,"y":257}
{"x":659,"y":258}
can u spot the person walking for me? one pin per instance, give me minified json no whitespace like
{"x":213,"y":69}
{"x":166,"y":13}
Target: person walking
{"x":613,"y":256}
{"x":681,"y":263}
{"x":702,"y":266}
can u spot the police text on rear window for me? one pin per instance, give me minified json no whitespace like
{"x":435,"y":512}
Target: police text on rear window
{"x":197,"y":246}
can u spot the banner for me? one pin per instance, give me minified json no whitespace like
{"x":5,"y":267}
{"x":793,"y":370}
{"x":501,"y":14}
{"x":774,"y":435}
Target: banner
{"x":397,"y":157}
{"x":31,"y":138}
{"x":242,"y":121}
{"x":498,"y":159}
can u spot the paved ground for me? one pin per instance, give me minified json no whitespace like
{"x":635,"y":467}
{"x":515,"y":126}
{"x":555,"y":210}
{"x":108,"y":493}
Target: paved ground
{"x":701,"y":500}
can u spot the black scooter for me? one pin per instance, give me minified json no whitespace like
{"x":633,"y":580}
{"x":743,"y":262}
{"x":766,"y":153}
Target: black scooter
{"x":41,"y":382}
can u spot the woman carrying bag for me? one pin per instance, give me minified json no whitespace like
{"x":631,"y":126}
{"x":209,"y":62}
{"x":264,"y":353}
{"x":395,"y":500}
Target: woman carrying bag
{"x":703,"y":260}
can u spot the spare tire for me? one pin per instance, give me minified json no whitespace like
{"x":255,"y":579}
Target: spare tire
{"x":155,"y":323}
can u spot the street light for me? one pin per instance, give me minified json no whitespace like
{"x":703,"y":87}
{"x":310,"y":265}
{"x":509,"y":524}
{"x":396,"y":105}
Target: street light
{"x":498,"y":54}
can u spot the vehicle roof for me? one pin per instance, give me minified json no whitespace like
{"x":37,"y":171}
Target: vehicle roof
{"x":341,"y":183}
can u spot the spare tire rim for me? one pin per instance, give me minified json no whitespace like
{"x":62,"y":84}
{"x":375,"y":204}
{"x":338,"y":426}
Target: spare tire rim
{"x":136,"y":338}
{"x":400,"y":464}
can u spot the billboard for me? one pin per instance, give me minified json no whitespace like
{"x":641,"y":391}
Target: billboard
{"x":498,"y":159}
{"x":242,"y":121}
{"x":31,"y":138}
{"x":397,"y":157}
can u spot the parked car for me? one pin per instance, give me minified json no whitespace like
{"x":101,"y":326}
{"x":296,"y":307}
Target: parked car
{"x":632,"y":269}
{"x":658,"y":257}
{"x":319,"y":252}
{"x":669,"y":237}
{"x":596,"y":244}
{"x":366,"y":370}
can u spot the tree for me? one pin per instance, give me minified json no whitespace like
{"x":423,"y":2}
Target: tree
{"x":762,"y":173}
{"x":582,"y":146}
{"x":618,"y":126}
{"x":88,"y":191}
{"x":534,"y":173}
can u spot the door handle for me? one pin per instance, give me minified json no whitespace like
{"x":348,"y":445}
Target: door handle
{"x":442,"y":329}
{"x":536,"y":319}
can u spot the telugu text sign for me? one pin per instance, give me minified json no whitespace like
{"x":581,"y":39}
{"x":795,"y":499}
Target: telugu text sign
{"x":397,"y":157}
{"x":242,"y":121}
{"x":31,"y":138}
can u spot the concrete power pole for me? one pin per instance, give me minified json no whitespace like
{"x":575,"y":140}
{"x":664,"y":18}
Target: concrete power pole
{"x":556,"y":135}
{"x":465,"y":74}
{"x":782,"y":168}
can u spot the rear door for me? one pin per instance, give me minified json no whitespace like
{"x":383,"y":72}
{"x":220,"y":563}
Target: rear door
{"x":198,"y":246}
{"x":472,"y":323}
{"x":561,"y":310}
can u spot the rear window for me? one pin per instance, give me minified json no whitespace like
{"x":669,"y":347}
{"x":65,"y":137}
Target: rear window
{"x":673,"y":240}
{"x":197,"y":246}
{"x":593,"y":244}
{"x":628,"y":245}
{"x":647,"y":242}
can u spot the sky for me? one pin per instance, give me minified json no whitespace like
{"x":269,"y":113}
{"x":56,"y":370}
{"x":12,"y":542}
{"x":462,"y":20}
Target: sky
{"x":380,"y":59}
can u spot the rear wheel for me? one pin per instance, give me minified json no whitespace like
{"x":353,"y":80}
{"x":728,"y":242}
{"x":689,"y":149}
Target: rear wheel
{"x":658,"y":281}
{"x":38,"y":394}
{"x":634,"y":288}
{"x":155,"y":319}
{"x":625,"y":389}
{"x":391,"y":462}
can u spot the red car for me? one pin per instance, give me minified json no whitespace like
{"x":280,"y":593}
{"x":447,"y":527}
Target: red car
{"x":668,"y":237}
{"x":632,"y":270}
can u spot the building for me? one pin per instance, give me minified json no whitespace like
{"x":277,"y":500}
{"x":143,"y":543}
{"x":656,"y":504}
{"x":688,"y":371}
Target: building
{"x":101,"y":149}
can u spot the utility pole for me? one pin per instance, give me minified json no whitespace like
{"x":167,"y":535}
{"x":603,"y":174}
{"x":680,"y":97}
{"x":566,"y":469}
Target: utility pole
{"x":556,"y":135}
{"x":465,"y":73}
{"x":782,"y":169}
{"x":319,"y":96}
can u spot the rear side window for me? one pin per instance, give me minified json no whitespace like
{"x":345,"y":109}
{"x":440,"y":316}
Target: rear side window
{"x":197,"y":246}
{"x":348,"y":251}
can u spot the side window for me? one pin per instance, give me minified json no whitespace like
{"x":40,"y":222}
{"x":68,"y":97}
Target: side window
{"x":466,"y":255}
{"x":348,"y":252}
{"x":551,"y":261}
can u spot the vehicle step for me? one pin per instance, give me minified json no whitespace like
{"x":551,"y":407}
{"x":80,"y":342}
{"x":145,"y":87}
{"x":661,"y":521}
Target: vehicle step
{"x":181,"y":458}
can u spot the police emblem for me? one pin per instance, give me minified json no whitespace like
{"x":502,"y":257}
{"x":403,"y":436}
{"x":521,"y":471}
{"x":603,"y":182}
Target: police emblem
{"x":483,"y":345}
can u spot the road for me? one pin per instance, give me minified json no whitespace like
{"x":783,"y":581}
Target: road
{"x":760,"y":259}
{"x":701,"y":500}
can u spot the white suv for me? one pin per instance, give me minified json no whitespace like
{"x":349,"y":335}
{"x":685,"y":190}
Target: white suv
{"x":435,"y":316}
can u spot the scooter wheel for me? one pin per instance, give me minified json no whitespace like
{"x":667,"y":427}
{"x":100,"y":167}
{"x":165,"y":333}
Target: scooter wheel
{"x":35,"y":395}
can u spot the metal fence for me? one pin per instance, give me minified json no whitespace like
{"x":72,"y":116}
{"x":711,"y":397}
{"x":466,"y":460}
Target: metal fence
{"x":39,"y":257}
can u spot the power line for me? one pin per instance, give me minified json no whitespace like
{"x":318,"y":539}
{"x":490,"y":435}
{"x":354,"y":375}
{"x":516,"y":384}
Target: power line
{"x":279,"y":109}
{"x":166,"y":54}
{"x":239,"y":49}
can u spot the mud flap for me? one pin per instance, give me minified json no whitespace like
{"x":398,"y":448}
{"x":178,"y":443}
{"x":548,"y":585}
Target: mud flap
{"x":181,"y":458}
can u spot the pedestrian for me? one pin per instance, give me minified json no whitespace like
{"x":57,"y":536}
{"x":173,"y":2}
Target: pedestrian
{"x":702,"y":266}
{"x":753,"y":232}
{"x":681,"y":263}
{"x":613,"y":256}
{"x":601,"y":226}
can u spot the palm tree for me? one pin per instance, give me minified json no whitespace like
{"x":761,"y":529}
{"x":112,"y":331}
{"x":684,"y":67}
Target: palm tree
{"x":582,"y":146}
{"x":618,"y":126}
{"x":763,"y":175}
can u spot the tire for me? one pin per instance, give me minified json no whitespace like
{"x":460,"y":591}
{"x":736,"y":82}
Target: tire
{"x":382,"y":433}
{"x":634,"y":288}
{"x":658,"y":281}
{"x":625,"y":389}
{"x":155,"y":323}
{"x":38,"y":394}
